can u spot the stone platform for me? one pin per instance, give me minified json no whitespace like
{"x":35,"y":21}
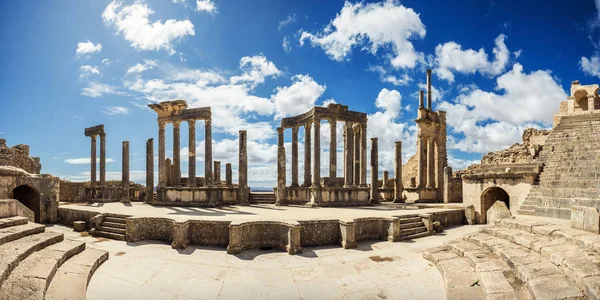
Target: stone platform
{"x":239,"y":228}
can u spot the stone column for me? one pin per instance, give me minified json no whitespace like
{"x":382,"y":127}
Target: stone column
{"x":307,"y":138}
{"x":356,"y":153}
{"x":421,"y":99}
{"x":348,"y":157}
{"x":149,"y":170}
{"x":430,"y":163}
{"x":332,"y":151}
{"x":447,"y":186}
{"x":374,"y":171}
{"x":295,"y":156}
{"x":317,"y":154}
{"x":217,"y":172}
{"x":228,"y":174}
{"x":103,"y":159}
{"x":125,"y":173}
{"x":363,"y":154}
{"x":398,"y":173}
{"x":93,"y":163}
{"x":208,"y":153}
{"x":281,"y":180}
{"x":386,"y":177}
{"x":176,"y":154}
{"x":168,"y":172}
{"x":192,"y":153}
{"x":420,"y":158}
{"x":243,"y":168}
{"x":591,"y":103}
{"x":429,"y":89}
{"x":162,"y":174}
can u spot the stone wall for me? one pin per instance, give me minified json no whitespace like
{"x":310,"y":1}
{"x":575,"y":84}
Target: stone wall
{"x":410,"y":170}
{"x":13,"y":208}
{"x":18,"y":156}
{"x":73,"y":191}
{"x":456,"y":190}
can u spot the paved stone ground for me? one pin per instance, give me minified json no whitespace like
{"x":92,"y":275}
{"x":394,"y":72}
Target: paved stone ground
{"x":255,"y":212}
{"x":375,"y":270}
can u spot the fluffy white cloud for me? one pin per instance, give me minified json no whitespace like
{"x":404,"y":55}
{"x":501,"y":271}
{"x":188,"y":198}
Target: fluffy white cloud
{"x":85,"y":160}
{"x":206,"y":5}
{"x":490,"y":121}
{"x":375,"y":26}
{"x":256,"y":69}
{"x":590,"y":66}
{"x":86,"y":71}
{"x":132,"y":21}
{"x":98,"y":89}
{"x":116,"y":110}
{"x":298,"y":97}
{"x":87,"y":48}
{"x":450,"y":58}
{"x":287,"y":46}
{"x":139,"y":67}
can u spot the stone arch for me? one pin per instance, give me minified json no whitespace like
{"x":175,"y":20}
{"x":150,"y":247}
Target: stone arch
{"x":489,"y":197}
{"x":581,"y":98}
{"x":29,"y":197}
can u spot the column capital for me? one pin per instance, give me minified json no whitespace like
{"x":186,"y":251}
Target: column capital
{"x":176,"y":124}
{"x":308,"y":125}
{"x":102,"y":135}
{"x":280,"y":130}
{"x":207,"y":122}
{"x":317,"y":121}
{"x":398,"y":143}
{"x":162,"y":125}
{"x":93,"y":137}
{"x":294,"y":129}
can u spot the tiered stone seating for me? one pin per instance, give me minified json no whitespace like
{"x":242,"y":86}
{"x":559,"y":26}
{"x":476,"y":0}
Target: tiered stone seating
{"x":521,"y":259}
{"x":571,"y":174}
{"x":30,"y":258}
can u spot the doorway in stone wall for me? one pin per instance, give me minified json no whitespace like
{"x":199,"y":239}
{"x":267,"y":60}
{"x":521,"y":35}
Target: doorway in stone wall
{"x":29,"y":197}
{"x":489,"y":197}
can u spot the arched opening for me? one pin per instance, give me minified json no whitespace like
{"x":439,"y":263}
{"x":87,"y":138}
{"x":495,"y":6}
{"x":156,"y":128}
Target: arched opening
{"x":581,"y":98}
{"x":30,"y":198}
{"x":489,"y":197}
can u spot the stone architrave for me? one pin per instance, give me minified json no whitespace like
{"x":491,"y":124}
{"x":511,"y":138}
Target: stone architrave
{"x":398,"y":189}
{"x":498,"y":211}
{"x":374,"y":171}
{"x":243,"y":168}
{"x":125,"y":174}
{"x":228,"y":174}
{"x":150,"y":170}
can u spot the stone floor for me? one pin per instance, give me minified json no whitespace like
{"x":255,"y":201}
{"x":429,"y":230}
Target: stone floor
{"x":257,"y":212}
{"x":375,"y":270}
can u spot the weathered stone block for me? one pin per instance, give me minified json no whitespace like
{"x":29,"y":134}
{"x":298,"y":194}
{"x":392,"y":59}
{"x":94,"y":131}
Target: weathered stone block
{"x":79,"y":226}
{"x":497,"y":211}
{"x":585,"y":218}
{"x":181,"y":235}
{"x":348,"y":234}
{"x":470,"y":215}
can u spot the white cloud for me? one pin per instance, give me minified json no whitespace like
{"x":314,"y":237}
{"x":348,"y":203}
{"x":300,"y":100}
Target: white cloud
{"x":298,"y":97}
{"x":132,"y":21}
{"x":97,"y":89}
{"x":386,"y":77}
{"x":459,"y":164}
{"x":287,"y":21}
{"x":436,"y":93}
{"x":106,"y":61}
{"x":590,"y":66}
{"x":139,"y":68}
{"x":287,"y":46}
{"x":85,"y":161}
{"x":88,"y":70}
{"x":256,"y":68}
{"x":492,"y":121}
{"x":206,"y":5}
{"x":116,"y":110}
{"x":451,"y":58}
{"x":373,"y":26}
{"x":87,"y":48}
{"x":329,"y":101}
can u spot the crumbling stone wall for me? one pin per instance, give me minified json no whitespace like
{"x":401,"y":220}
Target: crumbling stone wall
{"x":518,"y":153}
{"x":73,"y":191}
{"x":410,"y":170}
{"x":18,"y":156}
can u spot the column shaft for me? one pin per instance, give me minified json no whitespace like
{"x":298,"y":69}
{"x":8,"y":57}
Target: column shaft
{"x":228,"y":174}
{"x":150,"y":170}
{"x":217,"y":172}
{"x":430,"y":163}
{"x":162,"y":175}
{"x":348,"y":157}
{"x":398,"y":173}
{"x":192,"y":153}
{"x":295,"y":156}
{"x":317,"y":154}
{"x":243,"y":167}
{"x":93,"y":162}
{"x":102,"y":159}
{"x":356,"y":159}
{"x":176,"y":154}
{"x":208,"y":179}
{"x":281,"y":180}
{"x":374,"y":170}
{"x":125,"y":173}
{"x":421,"y":144}
{"x":363,"y":154}
{"x":307,"y":156}
{"x":332,"y":151}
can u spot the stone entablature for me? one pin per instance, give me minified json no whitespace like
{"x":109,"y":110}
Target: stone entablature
{"x":18,"y":156}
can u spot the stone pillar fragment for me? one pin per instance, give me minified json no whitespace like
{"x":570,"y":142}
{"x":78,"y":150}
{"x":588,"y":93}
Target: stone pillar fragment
{"x":398,"y":174}
{"x":447,"y":186}
{"x":386,"y":177}
{"x":93,"y":162}
{"x":295,"y":156}
{"x":307,"y":156}
{"x":228,"y":174}
{"x":103,"y":159}
{"x":176,"y":180}
{"x":281,"y":180}
{"x":430,"y":163}
{"x":162,"y":174}
{"x":332,"y":151}
{"x":192,"y":153}
{"x":217,"y":172}
{"x":429,"y":98}
{"x":243,"y":168}
{"x":125,"y":173}
{"x":363,"y":154}
{"x":421,"y":99}
{"x":374,"y":171}
{"x":149,"y":170}
{"x":317,"y":154}
{"x":208,"y":153}
{"x":168,"y":173}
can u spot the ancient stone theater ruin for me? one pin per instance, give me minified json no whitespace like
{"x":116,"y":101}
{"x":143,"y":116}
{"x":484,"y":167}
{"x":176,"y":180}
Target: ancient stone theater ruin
{"x":522,"y":224}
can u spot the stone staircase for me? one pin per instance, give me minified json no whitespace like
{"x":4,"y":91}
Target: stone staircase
{"x":571,"y":173}
{"x":112,"y":227}
{"x":521,"y":259}
{"x":35,"y":264}
{"x":262,"y":198}
{"x":412,"y":227}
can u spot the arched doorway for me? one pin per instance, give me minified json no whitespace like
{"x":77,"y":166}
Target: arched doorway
{"x":489,"y":197}
{"x":30,"y":197}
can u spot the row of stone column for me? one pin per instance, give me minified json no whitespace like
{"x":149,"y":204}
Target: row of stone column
{"x":102,"y":160}
{"x":355,"y":145}
{"x":426,"y":159}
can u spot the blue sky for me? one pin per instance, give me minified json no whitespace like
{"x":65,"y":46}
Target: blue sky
{"x":499,"y":67}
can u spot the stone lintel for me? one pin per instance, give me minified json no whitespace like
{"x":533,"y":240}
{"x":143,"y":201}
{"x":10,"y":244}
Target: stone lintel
{"x":336,"y":112}
{"x":94,"y":130}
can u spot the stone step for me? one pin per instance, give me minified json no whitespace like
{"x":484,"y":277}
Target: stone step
{"x":12,"y":221}
{"x":9,"y":234}
{"x":411,"y":231}
{"x":108,"y":235}
{"x":12,"y":253}
{"x":592,"y":193}
{"x":114,"y":225}
{"x":542,"y":201}
{"x":71,"y":279}
{"x":404,"y":220}
{"x":30,"y":279}
{"x":526,"y":212}
{"x":414,"y":236}
{"x":112,"y":229}
{"x":412,"y":225}
{"x":115,"y":220}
